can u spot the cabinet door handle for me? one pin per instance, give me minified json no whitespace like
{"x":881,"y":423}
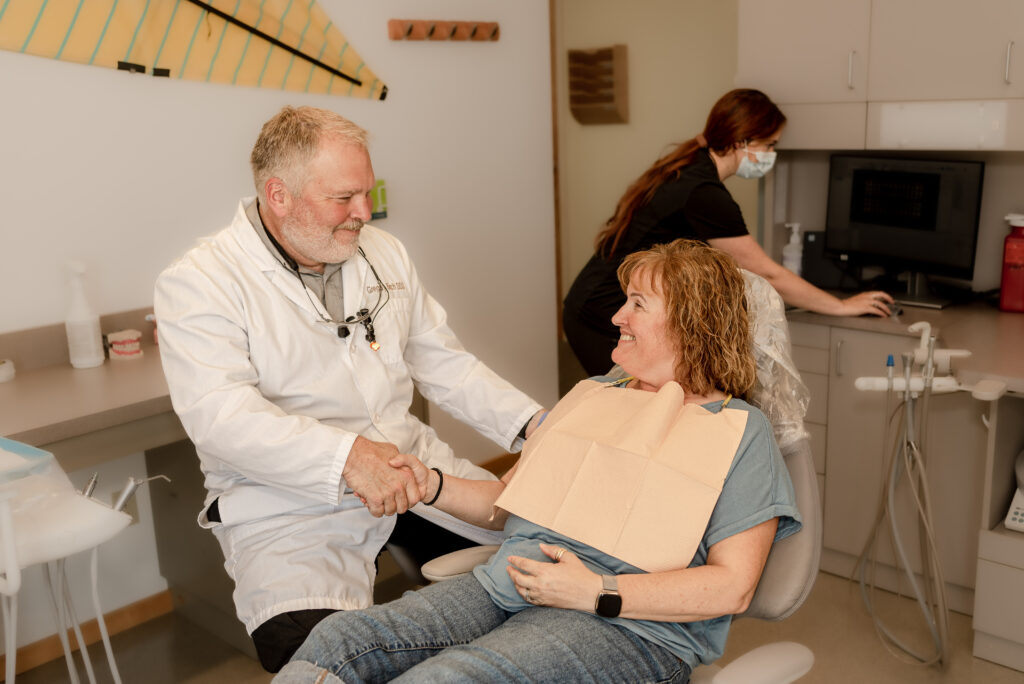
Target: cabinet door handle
{"x":836,"y":367}
{"x":849,"y":69}
{"x":1009,"y":58}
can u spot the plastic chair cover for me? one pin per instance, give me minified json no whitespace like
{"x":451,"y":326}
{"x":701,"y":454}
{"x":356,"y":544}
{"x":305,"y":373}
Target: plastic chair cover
{"x":50,"y":518}
{"x":779,"y":392}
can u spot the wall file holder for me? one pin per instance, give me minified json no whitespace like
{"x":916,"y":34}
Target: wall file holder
{"x":599,"y":85}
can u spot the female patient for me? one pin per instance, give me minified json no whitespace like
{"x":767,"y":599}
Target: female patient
{"x":638,"y":520}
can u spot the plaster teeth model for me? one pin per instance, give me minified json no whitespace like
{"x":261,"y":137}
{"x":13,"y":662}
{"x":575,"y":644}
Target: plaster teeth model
{"x":125,"y":344}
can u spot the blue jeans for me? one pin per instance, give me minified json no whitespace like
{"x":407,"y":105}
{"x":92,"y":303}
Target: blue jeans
{"x":453,"y":632}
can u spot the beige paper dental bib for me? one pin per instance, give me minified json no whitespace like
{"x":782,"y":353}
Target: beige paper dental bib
{"x":634,"y":474}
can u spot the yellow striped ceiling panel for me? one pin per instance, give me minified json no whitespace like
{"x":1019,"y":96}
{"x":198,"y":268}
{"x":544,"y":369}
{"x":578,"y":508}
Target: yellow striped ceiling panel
{"x":280,"y":44}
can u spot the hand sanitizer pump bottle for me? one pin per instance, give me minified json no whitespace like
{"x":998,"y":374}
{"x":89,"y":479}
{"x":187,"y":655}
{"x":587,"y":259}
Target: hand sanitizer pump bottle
{"x":793,"y":253}
{"x":85,"y":342}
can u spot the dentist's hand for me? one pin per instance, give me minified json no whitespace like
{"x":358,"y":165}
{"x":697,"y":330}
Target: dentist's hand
{"x":384,"y":489}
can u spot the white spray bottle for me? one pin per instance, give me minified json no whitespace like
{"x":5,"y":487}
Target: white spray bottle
{"x":793,"y":253}
{"x":85,"y":341}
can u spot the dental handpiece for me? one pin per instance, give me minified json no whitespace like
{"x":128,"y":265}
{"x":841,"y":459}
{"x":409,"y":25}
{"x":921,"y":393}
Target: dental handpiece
{"x":130,"y":488}
{"x":90,"y":486}
{"x":929,"y":366}
{"x":908,"y":368}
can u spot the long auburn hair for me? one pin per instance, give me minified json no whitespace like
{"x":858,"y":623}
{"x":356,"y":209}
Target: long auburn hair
{"x":738,"y":116}
{"x":706,"y":313}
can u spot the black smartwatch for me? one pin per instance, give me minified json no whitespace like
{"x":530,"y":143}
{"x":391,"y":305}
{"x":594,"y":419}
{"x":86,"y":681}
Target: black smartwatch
{"x":609,"y":603}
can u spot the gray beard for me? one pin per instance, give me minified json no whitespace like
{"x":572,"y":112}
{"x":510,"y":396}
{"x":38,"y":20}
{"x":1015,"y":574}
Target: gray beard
{"x":324,"y":250}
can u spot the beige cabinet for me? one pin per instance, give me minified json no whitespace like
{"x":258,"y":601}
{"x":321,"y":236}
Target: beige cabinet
{"x":946,"y":50}
{"x":804,"y":51}
{"x":857,"y":454}
{"x":888,"y":74}
{"x":810,"y":354}
{"x":811,"y":57}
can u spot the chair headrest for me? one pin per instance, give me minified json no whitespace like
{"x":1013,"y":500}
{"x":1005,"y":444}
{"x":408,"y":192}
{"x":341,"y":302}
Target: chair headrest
{"x":779,"y":392}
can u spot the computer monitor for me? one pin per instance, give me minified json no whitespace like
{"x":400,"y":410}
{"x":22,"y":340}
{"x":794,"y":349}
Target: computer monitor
{"x":916,"y":215}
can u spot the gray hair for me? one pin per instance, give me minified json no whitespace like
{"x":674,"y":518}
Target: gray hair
{"x":290,"y":140}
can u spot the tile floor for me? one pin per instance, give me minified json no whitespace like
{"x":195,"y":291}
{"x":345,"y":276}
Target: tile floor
{"x":833,"y":623}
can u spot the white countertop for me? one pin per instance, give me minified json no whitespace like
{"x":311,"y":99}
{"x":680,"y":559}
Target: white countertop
{"x":995,"y":339}
{"x":59,"y":402}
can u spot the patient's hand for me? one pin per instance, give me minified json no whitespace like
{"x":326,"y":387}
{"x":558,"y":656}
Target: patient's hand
{"x":563,"y":583}
{"x":420,"y":472}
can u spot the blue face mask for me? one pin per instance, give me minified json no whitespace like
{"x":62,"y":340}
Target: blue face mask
{"x":755,"y":169}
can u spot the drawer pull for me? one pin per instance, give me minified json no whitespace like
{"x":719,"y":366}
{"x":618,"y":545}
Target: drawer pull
{"x":1009,"y":59}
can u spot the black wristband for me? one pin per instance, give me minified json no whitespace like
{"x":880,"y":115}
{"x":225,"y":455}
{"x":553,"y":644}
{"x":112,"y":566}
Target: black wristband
{"x":440,"y":483}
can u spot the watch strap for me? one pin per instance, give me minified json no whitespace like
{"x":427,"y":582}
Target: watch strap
{"x":609,"y":602}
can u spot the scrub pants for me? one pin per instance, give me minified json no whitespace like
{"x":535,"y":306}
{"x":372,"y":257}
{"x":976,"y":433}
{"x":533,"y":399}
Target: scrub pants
{"x":453,"y":632}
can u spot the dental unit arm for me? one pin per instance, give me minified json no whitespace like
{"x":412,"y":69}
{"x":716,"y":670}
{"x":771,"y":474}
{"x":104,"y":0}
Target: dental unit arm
{"x":926,"y":371}
{"x":940,"y":357}
{"x":936,"y":372}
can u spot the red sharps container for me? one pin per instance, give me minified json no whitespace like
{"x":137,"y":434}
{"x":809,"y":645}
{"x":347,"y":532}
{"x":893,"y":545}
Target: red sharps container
{"x":1011,"y":293}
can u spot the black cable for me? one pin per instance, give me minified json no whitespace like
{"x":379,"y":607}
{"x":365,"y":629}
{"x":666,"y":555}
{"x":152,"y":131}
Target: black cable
{"x":273,"y":41}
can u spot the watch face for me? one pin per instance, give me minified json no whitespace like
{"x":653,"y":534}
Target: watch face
{"x":609,"y":605}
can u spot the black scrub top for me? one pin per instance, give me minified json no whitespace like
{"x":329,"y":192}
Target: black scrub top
{"x":694,"y":205}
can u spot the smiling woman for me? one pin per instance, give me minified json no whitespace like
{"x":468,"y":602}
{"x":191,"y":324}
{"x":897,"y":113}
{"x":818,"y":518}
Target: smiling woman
{"x":691,"y":296}
{"x":643,"y":340}
{"x":585,"y":586}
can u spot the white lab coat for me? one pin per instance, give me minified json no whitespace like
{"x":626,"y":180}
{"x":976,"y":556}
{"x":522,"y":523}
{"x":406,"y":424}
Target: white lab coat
{"x":273,"y":400}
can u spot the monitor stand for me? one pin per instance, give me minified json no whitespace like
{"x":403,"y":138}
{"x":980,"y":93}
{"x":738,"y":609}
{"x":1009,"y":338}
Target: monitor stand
{"x":918,"y":293}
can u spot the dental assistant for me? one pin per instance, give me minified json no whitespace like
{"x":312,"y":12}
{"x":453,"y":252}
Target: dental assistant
{"x":291,"y":341}
{"x":682,"y":196}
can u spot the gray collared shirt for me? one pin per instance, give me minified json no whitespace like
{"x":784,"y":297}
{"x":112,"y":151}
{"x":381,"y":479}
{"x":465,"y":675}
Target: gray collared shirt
{"x":327,"y":286}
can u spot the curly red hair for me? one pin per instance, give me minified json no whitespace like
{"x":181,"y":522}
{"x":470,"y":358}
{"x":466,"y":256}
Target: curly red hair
{"x":705,"y":298}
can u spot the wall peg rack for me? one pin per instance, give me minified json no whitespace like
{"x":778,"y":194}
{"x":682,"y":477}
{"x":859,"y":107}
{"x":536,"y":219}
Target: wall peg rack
{"x":431,"y":29}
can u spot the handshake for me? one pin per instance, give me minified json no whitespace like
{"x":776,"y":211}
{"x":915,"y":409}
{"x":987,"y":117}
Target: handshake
{"x":386,"y":481}
{"x":389,"y":482}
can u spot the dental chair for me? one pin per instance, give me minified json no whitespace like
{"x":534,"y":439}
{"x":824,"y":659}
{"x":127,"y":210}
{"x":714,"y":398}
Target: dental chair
{"x":44,"y":520}
{"x":792,"y":564}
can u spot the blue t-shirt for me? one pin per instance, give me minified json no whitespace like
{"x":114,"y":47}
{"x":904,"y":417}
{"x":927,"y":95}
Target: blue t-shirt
{"x":757,"y":488}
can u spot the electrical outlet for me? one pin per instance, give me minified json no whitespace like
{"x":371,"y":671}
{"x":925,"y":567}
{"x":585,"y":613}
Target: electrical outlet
{"x":131,"y":508}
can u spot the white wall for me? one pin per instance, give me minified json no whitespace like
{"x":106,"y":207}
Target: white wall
{"x":682,"y":57}
{"x":125,"y":172}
